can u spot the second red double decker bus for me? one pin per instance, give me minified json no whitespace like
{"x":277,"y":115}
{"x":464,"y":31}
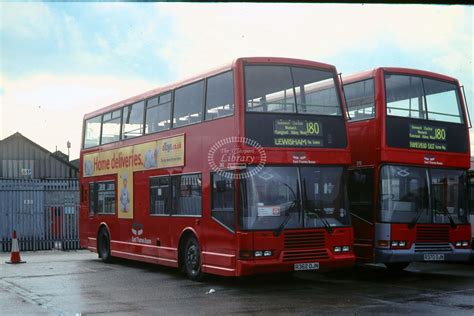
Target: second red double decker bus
{"x":410,"y":153}
{"x":237,"y":171}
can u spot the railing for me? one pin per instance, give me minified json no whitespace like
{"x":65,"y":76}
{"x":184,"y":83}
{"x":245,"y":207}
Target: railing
{"x":45,"y":214}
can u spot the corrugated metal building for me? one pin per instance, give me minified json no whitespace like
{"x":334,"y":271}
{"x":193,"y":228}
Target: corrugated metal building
{"x":39,"y":196}
{"x":22,"y":158}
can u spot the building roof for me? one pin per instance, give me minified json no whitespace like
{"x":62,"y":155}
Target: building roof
{"x":18,"y":136}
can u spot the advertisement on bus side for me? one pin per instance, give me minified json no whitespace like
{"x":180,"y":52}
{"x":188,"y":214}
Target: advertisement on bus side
{"x":124,"y":161}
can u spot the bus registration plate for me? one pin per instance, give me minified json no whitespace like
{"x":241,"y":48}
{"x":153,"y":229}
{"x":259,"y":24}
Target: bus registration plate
{"x":306,"y":266}
{"x":434,"y":257}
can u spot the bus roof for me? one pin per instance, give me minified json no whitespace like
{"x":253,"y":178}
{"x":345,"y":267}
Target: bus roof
{"x":410,"y":71}
{"x":228,"y":66}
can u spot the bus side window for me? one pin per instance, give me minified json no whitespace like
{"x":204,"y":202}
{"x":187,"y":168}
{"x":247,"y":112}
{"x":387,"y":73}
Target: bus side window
{"x":222,"y":200}
{"x":186,"y":195}
{"x":361,"y":188}
{"x":160,"y":201}
{"x":360,"y":99}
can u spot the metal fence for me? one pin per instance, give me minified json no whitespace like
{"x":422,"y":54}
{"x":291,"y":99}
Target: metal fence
{"x":44,"y":213}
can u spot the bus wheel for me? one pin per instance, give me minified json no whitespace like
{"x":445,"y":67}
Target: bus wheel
{"x":104,"y":246}
{"x":192,"y":259}
{"x":396,"y":267}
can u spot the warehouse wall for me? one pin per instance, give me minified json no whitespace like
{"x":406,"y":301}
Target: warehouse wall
{"x":22,"y":158}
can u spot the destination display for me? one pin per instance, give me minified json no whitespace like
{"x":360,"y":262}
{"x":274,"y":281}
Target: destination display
{"x":427,"y":137}
{"x":417,"y":134}
{"x":301,"y":133}
{"x":296,"y":130}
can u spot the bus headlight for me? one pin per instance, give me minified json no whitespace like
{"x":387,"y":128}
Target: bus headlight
{"x":267,"y":253}
{"x":461,"y":243}
{"x":345,"y":248}
{"x":258,"y":253}
{"x":337,"y":249}
{"x":398,"y":243}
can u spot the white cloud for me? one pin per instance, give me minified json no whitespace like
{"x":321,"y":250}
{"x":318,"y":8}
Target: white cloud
{"x":26,"y":20}
{"x":217,"y":33}
{"x":212,"y":34}
{"x":49,"y":109}
{"x":206,"y":35}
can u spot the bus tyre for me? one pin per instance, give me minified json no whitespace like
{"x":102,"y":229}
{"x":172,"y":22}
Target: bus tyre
{"x":104,"y":246}
{"x":396,"y":267}
{"x":192,"y":259}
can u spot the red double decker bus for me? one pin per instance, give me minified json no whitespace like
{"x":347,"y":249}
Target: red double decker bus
{"x":237,"y":171}
{"x":410,"y":154}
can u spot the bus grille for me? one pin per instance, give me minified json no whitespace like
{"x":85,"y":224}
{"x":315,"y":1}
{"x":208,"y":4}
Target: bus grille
{"x":433,"y":247}
{"x":432,"y":233}
{"x":305,"y":255}
{"x":304,"y":240}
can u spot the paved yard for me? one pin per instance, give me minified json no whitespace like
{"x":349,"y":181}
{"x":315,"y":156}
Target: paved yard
{"x":78,"y":283}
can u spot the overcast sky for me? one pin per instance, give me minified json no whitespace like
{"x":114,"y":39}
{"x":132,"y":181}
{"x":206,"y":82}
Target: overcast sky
{"x":61,"y":60}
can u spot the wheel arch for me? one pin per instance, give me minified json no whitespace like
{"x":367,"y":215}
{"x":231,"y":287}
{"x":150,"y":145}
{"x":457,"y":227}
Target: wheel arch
{"x":185,"y":234}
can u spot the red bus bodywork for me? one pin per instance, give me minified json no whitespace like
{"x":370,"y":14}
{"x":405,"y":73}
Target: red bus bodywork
{"x":221,"y":248}
{"x":368,"y":137}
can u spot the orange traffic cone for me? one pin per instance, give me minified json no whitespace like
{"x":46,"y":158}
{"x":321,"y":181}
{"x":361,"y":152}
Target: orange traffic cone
{"x":15,"y":255}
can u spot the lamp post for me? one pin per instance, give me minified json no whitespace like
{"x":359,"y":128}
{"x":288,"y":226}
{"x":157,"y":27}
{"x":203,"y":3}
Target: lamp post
{"x":68,"y":147}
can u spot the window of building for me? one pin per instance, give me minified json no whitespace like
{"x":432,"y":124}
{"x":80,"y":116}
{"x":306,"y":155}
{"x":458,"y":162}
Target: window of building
{"x":222,"y":200}
{"x":360,"y":190}
{"x":102,"y":197}
{"x":111,"y":127}
{"x":188,"y":104}
{"x":92,"y":132}
{"x":186,"y":194}
{"x":360,"y":99}
{"x":220,"y":96}
{"x":158,"y":113}
{"x":160,"y":202}
{"x":132,"y":121}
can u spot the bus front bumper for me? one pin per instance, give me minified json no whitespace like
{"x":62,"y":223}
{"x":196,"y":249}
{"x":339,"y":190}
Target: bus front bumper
{"x":383,"y":255}
{"x":248,"y":267}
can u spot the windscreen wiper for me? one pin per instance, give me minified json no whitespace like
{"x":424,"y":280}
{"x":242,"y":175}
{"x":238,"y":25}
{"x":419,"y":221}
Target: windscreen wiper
{"x":323,"y":219}
{"x":290,"y":209}
{"x":314,"y":211}
{"x":451,"y":220}
{"x":417,"y":217}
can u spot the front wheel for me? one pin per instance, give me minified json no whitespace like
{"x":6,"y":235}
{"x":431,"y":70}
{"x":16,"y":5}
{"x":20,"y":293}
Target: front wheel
{"x":396,"y":267}
{"x":192,"y":259}
{"x":104,"y":246}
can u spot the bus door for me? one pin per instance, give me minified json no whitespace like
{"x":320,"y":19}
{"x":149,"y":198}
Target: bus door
{"x":361,"y":196}
{"x":220,"y":238}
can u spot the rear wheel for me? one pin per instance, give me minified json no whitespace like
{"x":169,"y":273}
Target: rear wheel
{"x":396,"y":267}
{"x":104,"y":246}
{"x":192,"y":259}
